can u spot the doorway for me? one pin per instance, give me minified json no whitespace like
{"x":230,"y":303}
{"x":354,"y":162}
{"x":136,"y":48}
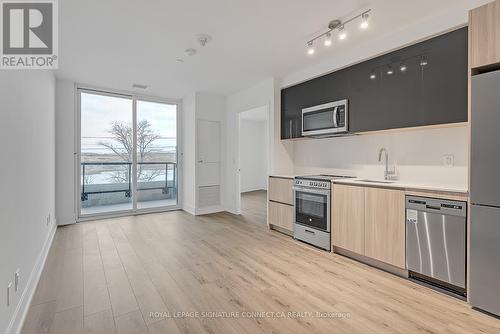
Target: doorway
{"x":127,"y":154}
{"x":253,"y":163}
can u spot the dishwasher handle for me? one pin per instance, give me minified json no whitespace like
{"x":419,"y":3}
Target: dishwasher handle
{"x":432,"y":207}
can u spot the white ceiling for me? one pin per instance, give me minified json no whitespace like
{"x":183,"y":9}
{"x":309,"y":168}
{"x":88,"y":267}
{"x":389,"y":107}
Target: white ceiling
{"x":115,"y":43}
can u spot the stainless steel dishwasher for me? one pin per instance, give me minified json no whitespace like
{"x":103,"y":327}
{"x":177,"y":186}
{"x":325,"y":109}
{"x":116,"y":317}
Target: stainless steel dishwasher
{"x":436,"y":235}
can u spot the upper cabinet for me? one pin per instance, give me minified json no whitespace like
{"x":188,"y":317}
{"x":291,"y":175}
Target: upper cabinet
{"x":422,"y":84}
{"x":484,"y":23}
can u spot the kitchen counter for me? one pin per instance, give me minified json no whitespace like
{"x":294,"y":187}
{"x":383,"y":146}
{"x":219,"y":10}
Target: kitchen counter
{"x":408,"y":186}
{"x":283,"y":176}
{"x":458,"y":190}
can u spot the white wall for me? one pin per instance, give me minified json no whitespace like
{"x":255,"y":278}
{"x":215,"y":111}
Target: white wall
{"x":280,"y":153}
{"x":419,"y":155}
{"x":200,"y":106}
{"x":253,"y":155}
{"x":188,"y":154}
{"x":65,"y":149}
{"x":27,"y":179}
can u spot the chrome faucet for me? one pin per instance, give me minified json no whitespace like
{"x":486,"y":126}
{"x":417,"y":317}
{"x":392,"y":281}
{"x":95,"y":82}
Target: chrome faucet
{"x":388,"y":174}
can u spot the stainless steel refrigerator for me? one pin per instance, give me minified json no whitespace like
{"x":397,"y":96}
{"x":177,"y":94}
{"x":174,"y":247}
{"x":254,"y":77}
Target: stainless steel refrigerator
{"x":484,"y":289}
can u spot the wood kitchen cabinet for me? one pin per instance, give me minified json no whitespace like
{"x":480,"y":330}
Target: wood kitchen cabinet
{"x":281,"y":215}
{"x":348,"y":218}
{"x":484,"y":26}
{"x":281,"y":190}
{"x":281,"y":204}
{"x":385,"y":225}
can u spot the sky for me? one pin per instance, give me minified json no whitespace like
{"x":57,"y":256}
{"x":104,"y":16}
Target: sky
{"x":98,"y":112}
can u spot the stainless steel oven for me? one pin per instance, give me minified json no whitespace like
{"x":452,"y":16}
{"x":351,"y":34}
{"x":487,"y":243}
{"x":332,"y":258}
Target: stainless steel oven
{"x":312,"y":212}
{"x":325,"y":119}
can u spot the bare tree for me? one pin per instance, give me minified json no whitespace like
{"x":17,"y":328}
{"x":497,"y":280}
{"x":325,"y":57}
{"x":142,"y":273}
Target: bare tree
{"x":123,"y":134}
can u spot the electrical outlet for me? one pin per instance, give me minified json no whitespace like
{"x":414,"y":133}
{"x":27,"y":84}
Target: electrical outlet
{"x":448,"y":160}
{"x":9,"y":287}
{"x":17,"y":279}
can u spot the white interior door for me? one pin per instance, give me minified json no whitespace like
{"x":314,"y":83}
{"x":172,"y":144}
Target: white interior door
{"x":208,"y":162}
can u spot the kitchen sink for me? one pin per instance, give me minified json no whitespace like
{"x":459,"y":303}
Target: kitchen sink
{"x":374,"y":181}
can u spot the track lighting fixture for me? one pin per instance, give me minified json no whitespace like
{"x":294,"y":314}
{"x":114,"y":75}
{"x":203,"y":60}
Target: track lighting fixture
{"x":310,"y":48}
{"x":373,"y":76}
{"x":390,"y":71}
{"x":328,"y":39}
{"x":402,"y":67}
{"x":340,"y":27}
{"x":364,"y":21}
{"x":342,"y":33}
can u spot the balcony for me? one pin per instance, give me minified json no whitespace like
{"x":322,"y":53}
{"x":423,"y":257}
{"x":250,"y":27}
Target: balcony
{"x":106,"y":187}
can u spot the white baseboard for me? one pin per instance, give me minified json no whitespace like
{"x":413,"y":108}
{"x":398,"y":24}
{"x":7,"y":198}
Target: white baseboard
{"x":189,"y":209}
{"x":17,"y":320}
{"x":209,"y":209}
{"x":234,"y":212}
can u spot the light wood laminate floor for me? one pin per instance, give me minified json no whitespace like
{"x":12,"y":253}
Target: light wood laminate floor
{"x":253,"y":206}
{"x":107,"y":276}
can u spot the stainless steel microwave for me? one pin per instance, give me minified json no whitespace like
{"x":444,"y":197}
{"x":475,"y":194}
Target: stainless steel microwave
{"x":325,"y":119}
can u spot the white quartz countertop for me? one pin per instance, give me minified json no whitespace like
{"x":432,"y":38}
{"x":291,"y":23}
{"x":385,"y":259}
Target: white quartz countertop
{"x":397,"y":184}
{"x":406,"y":185}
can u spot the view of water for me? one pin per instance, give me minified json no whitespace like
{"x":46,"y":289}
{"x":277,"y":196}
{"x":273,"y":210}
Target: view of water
{"x":94,"y":146}
{"x":94,"y":150}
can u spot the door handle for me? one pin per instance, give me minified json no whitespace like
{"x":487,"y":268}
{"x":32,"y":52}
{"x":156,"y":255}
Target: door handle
{"x":335,"y":123}
{"x":309,"y":231}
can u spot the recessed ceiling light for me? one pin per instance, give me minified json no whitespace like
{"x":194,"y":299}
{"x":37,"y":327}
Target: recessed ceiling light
{"x":390,"y":71}
{"x":402,"y":67}
{"x":373,"y":76}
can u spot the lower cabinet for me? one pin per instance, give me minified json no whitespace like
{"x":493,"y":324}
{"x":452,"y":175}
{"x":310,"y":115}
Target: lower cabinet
{"x":281,"y":215}
{"x":348,"y":217}
{"x":370,"y":222}
{"x":385,"y":225}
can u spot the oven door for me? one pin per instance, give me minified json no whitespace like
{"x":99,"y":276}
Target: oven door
{"x":312,"y":208}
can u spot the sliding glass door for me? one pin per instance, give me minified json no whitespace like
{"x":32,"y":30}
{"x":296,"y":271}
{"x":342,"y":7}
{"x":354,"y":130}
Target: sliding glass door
{"x":156,"y":154}
{"x":127,"y":154}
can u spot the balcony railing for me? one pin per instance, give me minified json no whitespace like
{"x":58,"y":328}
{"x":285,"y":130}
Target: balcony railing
{"x":169,"y":186}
